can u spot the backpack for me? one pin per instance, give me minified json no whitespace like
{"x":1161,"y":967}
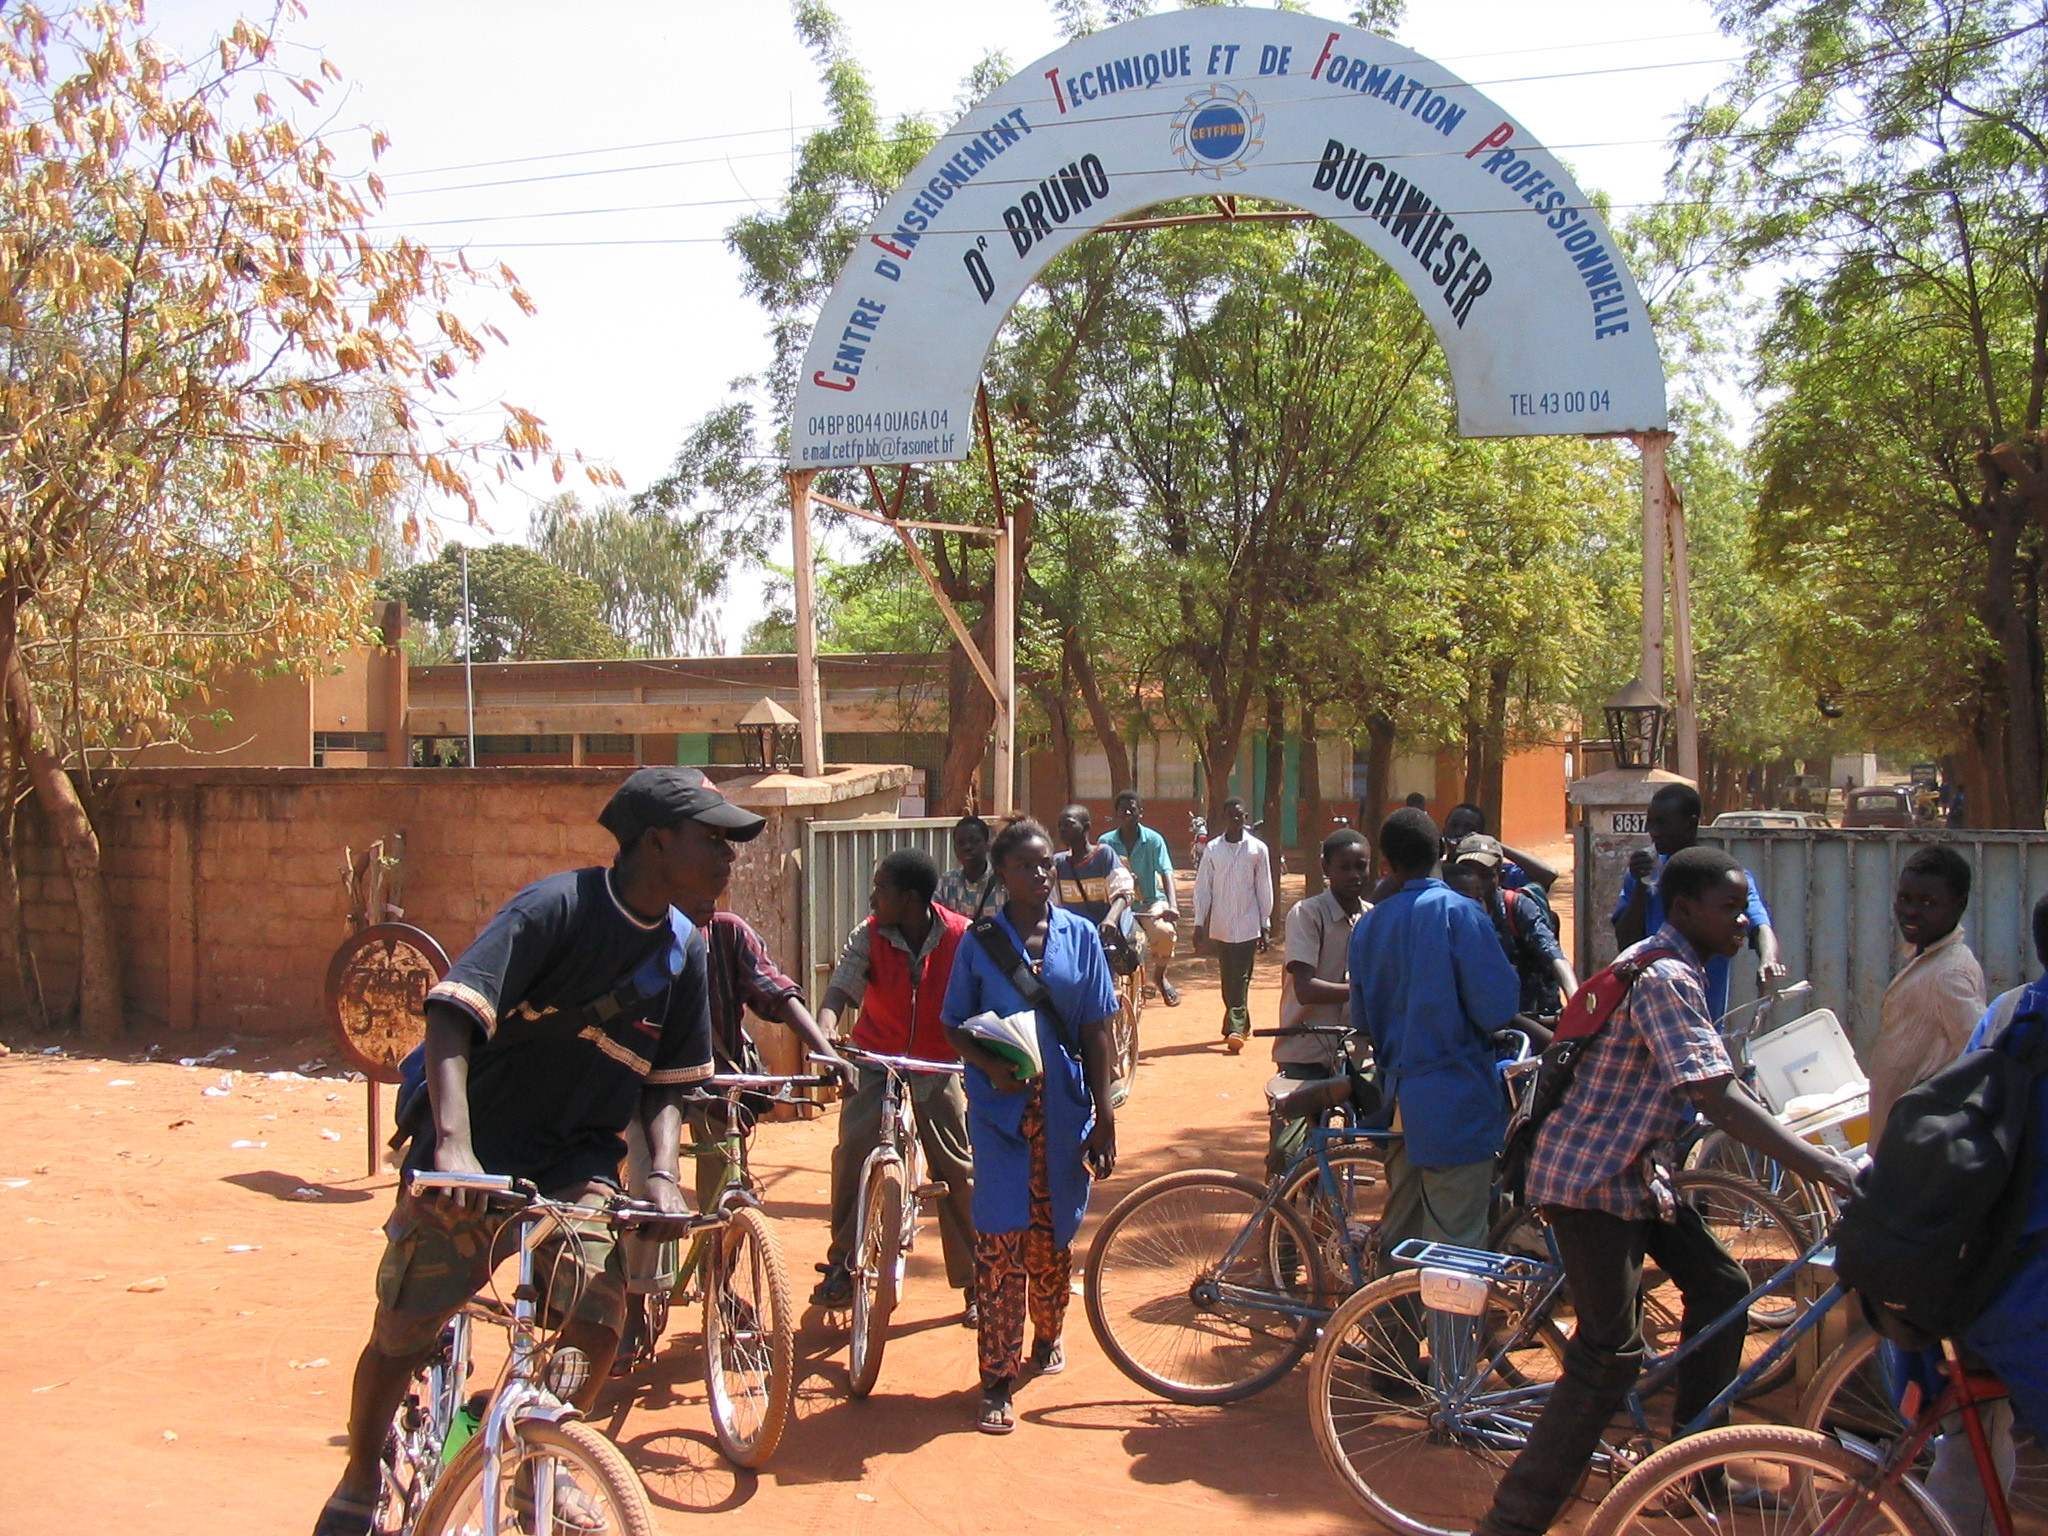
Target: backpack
{"x":1936,"y":1229}
{"x":1596,"y":1001}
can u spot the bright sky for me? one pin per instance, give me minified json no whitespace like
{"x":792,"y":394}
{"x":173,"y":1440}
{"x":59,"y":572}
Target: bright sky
{"x":601,"y":149}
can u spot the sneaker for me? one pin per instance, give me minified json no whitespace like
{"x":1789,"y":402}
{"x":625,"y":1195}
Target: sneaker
{"x":1233,"y":1044}
{"x":836,"y":1289}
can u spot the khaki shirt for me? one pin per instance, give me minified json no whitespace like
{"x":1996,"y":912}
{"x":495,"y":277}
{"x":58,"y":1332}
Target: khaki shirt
{"x":1929,"y":1010}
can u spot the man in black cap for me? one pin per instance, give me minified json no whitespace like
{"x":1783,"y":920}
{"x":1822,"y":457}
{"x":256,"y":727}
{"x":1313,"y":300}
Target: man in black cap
{"x":583,"y":1004}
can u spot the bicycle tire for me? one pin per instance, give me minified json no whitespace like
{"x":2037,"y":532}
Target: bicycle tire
{"x":877,"y":1273}
{"x":1719,"y":1152}
{"x":1375,"y":1382}
{"x":1761,"y":1235}
{"x":749,"y":1344}
{"x":1360,"y":1171}
{"x":1160,"y":1242}
{"x":1807,"y":1473}
{"x":600,"y":1472}
{"x":1853,"y":1393}
{"x":1123,"y":1039}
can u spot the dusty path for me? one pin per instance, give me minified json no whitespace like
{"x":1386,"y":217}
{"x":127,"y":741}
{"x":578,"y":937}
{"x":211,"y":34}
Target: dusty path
{"x":215,"y":1401}
{"x":188,"y":1281}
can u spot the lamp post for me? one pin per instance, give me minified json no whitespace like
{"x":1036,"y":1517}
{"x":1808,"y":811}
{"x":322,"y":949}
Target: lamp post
{"x":1636,"y":720}
{"x":769,"y":732}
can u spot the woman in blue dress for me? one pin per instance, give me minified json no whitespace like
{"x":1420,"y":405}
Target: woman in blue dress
{"x":1035,"y":1142}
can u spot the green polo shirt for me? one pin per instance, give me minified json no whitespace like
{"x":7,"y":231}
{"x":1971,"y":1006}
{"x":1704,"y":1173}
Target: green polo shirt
{"x":1151,"y":865}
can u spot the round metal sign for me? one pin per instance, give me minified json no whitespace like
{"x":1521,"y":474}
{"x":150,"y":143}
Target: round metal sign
{"x":377,"y":992}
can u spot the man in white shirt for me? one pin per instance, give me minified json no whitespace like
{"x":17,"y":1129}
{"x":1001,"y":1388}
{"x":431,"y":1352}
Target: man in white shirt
{"x":1234,"y":911}
{"x":1933,"y":1004}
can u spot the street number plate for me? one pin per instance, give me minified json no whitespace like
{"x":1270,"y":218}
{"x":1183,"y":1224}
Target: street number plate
{"x":1631,"y":821}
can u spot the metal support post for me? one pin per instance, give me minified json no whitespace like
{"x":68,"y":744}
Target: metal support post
{"x":810,"y":716}
{"x":1688,"y":714}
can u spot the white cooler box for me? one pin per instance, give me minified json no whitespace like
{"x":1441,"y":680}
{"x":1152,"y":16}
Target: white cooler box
{"x":1808,"y":1075}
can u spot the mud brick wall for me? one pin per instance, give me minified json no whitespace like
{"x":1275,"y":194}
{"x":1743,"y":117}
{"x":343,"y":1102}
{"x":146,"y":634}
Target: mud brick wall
{"x":228,"y":883}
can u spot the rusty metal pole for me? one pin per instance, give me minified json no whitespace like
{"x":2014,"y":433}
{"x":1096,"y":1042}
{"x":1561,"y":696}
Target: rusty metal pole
{"x":1003,"y":622}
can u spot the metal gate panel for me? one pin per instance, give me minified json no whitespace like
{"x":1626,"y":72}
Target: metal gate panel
{"x":839,"y":869}
{"x":1830,"y":894}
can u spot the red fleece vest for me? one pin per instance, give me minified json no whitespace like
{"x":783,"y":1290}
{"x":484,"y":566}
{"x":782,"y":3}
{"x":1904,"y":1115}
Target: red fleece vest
{"x":899,"y":1012}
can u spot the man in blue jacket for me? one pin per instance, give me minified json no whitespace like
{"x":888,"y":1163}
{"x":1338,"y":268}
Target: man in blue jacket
{"x":1429,"y":986}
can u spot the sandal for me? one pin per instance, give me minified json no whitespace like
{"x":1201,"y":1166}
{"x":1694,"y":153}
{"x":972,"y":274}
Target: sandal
{"x":575,"y":1510}
{"x":345,"y":1516}
{"x":1048,"y":1357}
{"x":997,"y":1416}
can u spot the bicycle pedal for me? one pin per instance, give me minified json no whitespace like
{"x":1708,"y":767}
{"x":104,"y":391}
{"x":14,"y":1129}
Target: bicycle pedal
{"x":934,"y":1189}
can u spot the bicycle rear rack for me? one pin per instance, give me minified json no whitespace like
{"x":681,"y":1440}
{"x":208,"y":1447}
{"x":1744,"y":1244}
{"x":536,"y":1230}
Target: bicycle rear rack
{"x":1502,"y":1267}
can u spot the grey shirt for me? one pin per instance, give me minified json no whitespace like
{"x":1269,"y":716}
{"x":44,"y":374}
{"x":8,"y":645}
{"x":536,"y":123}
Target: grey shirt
{"x":1319,"y":936}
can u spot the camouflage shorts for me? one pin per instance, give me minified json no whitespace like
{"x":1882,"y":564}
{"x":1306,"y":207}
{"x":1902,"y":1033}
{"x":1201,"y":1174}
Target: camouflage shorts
{"x":436,"y":1257}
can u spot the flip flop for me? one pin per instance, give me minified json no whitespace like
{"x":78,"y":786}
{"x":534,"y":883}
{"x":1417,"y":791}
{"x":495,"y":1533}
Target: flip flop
{"x":997,"y":1416}
{"x":344,"y":1516}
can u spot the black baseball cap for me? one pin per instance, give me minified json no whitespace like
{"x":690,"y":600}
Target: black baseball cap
{"x":665,"y":797}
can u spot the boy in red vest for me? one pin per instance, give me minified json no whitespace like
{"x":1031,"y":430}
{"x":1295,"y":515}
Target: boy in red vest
{"x":895,"y":968}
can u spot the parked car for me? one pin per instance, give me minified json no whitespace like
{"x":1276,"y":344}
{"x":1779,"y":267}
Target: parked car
{"x":1881,"y":806}
{"x":1771,"y":819}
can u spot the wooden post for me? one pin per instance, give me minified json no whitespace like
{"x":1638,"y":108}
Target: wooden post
{"x":1688,"y":714}
{"x":810,"y":718}
{"x":1656,"y":541}
{"x":1004,"y":791}
{"x":375,"y":1133}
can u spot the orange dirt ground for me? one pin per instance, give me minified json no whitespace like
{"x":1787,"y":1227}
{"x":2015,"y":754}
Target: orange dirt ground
{"x":190,"y":1278}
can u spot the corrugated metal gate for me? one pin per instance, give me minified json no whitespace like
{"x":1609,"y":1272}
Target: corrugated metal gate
{"x":839,"y":870}
{"x":1830,"y":894}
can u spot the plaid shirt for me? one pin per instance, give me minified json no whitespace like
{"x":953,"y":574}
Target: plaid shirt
{"x":742,"y":975}
{"x":1608,"y":1146}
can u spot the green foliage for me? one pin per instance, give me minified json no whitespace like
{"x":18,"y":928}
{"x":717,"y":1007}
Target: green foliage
{"x":658,"y":573}
{"x":524,"y":607}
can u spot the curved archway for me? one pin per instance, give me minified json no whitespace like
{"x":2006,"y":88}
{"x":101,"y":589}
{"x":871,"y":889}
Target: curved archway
{"x":1539,"y":320}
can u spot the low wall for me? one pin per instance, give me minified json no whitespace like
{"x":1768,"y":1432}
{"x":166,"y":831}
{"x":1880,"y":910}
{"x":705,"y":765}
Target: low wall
{"x":228,"y":888}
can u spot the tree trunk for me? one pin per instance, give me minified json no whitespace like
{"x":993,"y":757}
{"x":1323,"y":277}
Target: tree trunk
{"x":1379,"y":775}
{"x":970,"y":718}
{"x":21,"y":958}
{"x":1220,"y":741}
{"x":99,"y":955}
{"x":1121,"y":777}
{"x":1273,"y":804}
{"x":1311,"y":802}
{"x":1059,"y":722}
{"x":1493,"y":759}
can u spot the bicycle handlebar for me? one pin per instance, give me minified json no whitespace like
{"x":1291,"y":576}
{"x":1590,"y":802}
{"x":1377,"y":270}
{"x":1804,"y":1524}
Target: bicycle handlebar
{"x":895,"y":1063}
{"x":1301,"y":1029}
{"x":635,"y":1215}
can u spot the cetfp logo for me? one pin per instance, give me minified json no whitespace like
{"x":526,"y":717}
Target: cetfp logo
{"x":1217,"y":133}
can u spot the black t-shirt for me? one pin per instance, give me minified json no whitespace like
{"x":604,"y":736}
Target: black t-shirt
{"x":552,"y":1085}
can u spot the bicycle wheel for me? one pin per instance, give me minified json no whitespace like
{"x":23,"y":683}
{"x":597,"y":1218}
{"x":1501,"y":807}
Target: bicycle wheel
{"x":1123,"y":1039}
{"x":1151,"y":1277}
{"x":1763,"y":1237}
{"x":877,"y":1271}
{"x":1718,"y":1152}
{"x":1386,"y":1374}
{"x":1340,"y":1224}
{"x":1856,"y":1391}
{"x":1759,"y":1480}
{"x":411,"y":1463}
{"x":749,"y":1346}
{"x":557,"y":1467}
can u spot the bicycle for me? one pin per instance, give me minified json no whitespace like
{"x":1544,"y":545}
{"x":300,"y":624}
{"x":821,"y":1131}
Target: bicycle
{"x":1800,"y":1479}
{"x":1205,"y":1286}
{"x":1123,"y":1034}
{"x":1425,"y":1384}
{"x":734,"y":1259}
{"x":892,"y":1184}
{"x":516,"y":1457}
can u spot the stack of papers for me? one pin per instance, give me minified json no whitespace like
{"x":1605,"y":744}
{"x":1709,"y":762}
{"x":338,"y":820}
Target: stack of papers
{"x":1014,"y":1038}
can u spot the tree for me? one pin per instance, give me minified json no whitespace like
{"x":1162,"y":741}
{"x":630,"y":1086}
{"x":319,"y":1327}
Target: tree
{"x":522,"y":606}
{"x":189,"y":300}
{"x":1897,"y":156}
{"x":656,"y":573}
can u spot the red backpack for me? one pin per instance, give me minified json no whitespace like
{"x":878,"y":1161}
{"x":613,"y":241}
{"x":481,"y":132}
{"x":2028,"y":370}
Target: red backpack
{"x":1585,"y":1015}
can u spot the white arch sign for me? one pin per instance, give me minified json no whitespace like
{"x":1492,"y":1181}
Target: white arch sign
{"x":1541,"y":323}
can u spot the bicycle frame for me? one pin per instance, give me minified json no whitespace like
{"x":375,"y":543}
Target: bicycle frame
{"x":1500,"y":1429}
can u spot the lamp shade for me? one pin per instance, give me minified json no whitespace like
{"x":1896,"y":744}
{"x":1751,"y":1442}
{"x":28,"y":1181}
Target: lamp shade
{"x":1635,"y":724}
{"x":767,"y":729}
